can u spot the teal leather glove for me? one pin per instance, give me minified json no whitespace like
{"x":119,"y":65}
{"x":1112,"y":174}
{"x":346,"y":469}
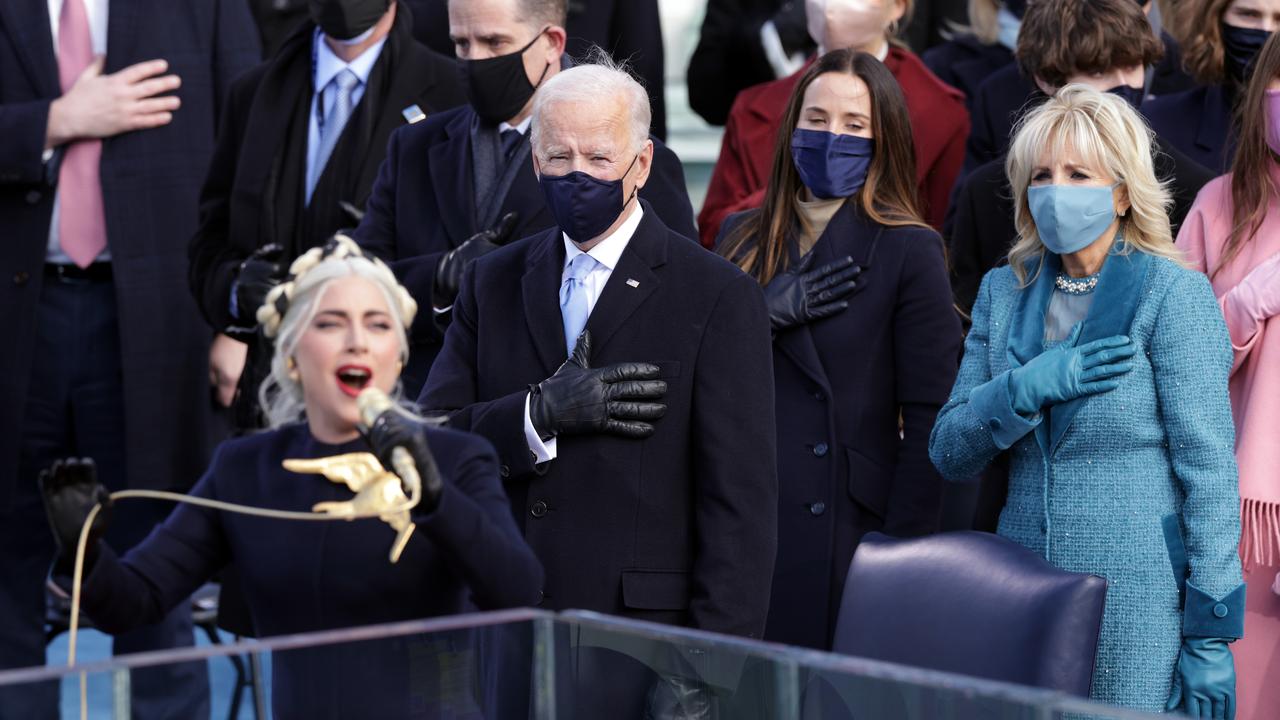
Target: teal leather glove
{"x":1066,"y":372}
{"x":1204,"y":680}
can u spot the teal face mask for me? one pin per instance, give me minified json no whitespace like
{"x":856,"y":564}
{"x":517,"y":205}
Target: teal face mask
{"x":1070,"y":217}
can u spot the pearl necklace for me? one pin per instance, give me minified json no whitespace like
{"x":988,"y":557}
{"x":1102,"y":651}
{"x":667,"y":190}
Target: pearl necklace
{"x":1076,"y":286}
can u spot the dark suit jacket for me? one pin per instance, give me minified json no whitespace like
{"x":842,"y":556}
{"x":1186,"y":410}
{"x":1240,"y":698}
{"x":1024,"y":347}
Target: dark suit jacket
{"x":150,"y":183}
{"x":236,"y":207}
{"x":842,"y":384}
{"x":983,"y":229}
{"x":629,"y":29}
{"x":307,"y":576}
{"x":423,"y":205}
{"x":1197,"y":122}
{"x":676,"y":528}
{"x":277,"y":19}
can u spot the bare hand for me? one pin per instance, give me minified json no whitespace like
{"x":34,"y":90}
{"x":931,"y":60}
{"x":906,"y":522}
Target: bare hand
{"x":99,"y":106}
{"x":226,"y":362}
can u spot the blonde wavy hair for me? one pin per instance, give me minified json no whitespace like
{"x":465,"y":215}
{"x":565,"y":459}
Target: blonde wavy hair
{"x":290,"y":307}
{"x":1105,"y":132}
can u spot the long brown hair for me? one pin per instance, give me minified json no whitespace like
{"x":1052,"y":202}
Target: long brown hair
{"x":1197,"y":25}
{"x":1251,"y":184}
{"x":759,"y":244}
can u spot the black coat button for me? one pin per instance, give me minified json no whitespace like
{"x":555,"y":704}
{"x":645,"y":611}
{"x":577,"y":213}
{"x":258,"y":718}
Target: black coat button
{"x":33,"y":197}
{"x":820,"y":449}
{"x":539,"y":509}
{"x":505,"y":471}
{"x":818,"y":508}
{"x":994,"y":424}
{"x":21,"y":277}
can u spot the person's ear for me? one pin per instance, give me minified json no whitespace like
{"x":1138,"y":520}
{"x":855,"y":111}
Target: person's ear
{"x":556,"y":41}
{"x":1045,"y":87}
{"x":644,"y":164}
{"x":1121,"y":197}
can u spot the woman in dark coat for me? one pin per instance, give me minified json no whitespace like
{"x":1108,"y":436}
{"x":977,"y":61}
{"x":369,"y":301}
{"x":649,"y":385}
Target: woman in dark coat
{"x":339,"y":327}
{"x":866,"y":342}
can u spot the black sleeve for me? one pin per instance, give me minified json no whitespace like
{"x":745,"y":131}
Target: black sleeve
{"x":729,"y":57}
{"x":982,"y":231}
{"x":636,"y":37}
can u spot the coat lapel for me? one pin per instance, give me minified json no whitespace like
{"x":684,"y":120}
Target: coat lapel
{"x":33,"y":41}
{"x":1026,"y":330}
{"x":541,"y":289}
{"x":452,"y":180}
{"x":631,"y":282}
{"x":1118,"y":294}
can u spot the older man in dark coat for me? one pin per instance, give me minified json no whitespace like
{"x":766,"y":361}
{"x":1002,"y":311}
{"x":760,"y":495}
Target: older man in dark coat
{"x":100,"y":168}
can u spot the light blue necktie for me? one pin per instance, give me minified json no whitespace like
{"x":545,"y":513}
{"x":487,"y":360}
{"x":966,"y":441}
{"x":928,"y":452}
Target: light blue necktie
{"x":345,"y":83}
{"x":573,"y":299}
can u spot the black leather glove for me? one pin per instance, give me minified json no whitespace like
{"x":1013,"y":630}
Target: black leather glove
{"x":580,"y":399}
{"x":800,"y":295}
{"x":793,"y":28}
{"x":70,"y":489}
{"x":677,"y":698}
{"x":449,"y":270}
{"x":259,"y":272}
{"x":392,"y":430}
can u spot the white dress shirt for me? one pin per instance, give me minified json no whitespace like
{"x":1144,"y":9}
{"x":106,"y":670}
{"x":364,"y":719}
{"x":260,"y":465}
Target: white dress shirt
{"x":606,"y":253}
{"x":97,"y":12}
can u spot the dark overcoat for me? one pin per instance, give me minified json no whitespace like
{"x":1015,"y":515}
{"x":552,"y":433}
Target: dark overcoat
{"x":843,"y":385}
{"x":678,"y":527}
{"x":150,"y":185}
{"x":423,"y":205}
{"x":1197,"y":122}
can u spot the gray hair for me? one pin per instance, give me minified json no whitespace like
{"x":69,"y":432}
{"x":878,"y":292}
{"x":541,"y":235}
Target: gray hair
{"x":281,"y":395}
{"x":598,"y":77}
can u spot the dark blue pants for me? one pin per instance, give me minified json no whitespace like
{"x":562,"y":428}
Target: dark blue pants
{"x":75,"y":407}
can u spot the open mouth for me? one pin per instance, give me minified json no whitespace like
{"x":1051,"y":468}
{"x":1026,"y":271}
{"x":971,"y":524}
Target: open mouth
{"x":354,"y":378}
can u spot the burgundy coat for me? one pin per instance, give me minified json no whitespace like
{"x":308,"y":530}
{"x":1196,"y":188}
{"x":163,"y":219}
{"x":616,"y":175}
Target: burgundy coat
{"x":939,"y":126}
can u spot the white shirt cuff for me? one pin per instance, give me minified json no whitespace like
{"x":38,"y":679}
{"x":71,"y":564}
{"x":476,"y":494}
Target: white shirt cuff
{"x":542,"y":451}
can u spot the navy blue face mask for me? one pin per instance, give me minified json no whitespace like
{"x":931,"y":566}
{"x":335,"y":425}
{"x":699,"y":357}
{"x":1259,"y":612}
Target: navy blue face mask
{"x":584,"y":206}
{"x":831,"y":165}
{"x":1239,"y":47}
{"x":1131,"y":95}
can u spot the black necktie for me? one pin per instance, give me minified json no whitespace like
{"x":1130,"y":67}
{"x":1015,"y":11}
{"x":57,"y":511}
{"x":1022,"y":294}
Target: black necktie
{"x":510,"y":139}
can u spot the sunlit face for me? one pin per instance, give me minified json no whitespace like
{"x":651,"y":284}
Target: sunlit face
{"x":594,"y":138}
{"x":858,"y":24}
{"x":489,"y":28}
{"x":1256,"y":14}
{"x":839,"y":103}
{"x":350,"y":344}
{"x":1070,"y":168}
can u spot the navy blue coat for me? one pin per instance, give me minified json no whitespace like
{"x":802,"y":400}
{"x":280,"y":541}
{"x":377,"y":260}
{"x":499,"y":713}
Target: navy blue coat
{"x":150,"y":182}
{"x":305,"y":576}
{"x":996,"y":107}
{"x":964,"y":63}
{"x":842,"y":384}
{"x":676,"y":528}
{"x":422,"y":205}
{"x":1197,"y":122}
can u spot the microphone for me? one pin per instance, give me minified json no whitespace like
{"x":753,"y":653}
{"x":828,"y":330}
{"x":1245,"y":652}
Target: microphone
{"x":373,"y":404}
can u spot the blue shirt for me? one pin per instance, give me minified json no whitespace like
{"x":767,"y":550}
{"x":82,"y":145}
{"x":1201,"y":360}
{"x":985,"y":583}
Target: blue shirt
{"x":324,"y":68}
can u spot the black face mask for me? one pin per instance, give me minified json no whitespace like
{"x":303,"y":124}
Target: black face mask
{"x":346,"y":19}
{"x":498,"y":87}
{"x":1239,"y":47}
{"x":1131,"y":95}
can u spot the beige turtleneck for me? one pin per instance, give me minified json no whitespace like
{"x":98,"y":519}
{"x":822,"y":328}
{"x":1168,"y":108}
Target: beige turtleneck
{"x":814,"y":216}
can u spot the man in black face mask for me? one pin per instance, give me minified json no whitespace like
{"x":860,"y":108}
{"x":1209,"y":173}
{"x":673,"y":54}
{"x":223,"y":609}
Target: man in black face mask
{"x":642,"y":467}
{"x":448,"y":183}
{"x":302,"y":139}
{"x":1222,"y":39}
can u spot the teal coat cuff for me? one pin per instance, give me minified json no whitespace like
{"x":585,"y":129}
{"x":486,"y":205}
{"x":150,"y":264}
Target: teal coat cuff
{"x":1204,"y":616}
{"x":990,"y":401}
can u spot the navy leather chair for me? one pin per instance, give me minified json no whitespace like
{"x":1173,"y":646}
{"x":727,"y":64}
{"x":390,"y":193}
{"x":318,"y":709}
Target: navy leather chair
{"x":972,"y":603}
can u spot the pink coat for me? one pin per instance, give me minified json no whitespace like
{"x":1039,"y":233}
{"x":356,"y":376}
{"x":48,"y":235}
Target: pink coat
{"x":1255,"y":378}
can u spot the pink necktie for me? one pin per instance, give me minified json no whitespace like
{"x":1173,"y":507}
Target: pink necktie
{"x":82,"y":227}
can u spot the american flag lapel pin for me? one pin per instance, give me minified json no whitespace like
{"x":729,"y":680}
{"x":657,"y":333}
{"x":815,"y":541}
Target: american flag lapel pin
{"x":633,"y":282}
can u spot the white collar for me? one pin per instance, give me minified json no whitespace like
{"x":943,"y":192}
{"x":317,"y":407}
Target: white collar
{"x":608,"y":251}
{"x":523,"y":127}
{"x":328,"y":64}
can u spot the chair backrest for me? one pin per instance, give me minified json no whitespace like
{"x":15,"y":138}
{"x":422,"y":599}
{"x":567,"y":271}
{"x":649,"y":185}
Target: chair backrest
{"x":972,"y":603}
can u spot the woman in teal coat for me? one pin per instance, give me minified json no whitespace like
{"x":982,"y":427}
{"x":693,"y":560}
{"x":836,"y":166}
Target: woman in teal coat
{"x":1100,"y":364}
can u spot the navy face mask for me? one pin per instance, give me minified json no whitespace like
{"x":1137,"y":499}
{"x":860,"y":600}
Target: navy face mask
{"x":831,"y":165}
{"x":1131,"y":95}
{"x":584,"y":206}
{"x":1239,"y":47}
